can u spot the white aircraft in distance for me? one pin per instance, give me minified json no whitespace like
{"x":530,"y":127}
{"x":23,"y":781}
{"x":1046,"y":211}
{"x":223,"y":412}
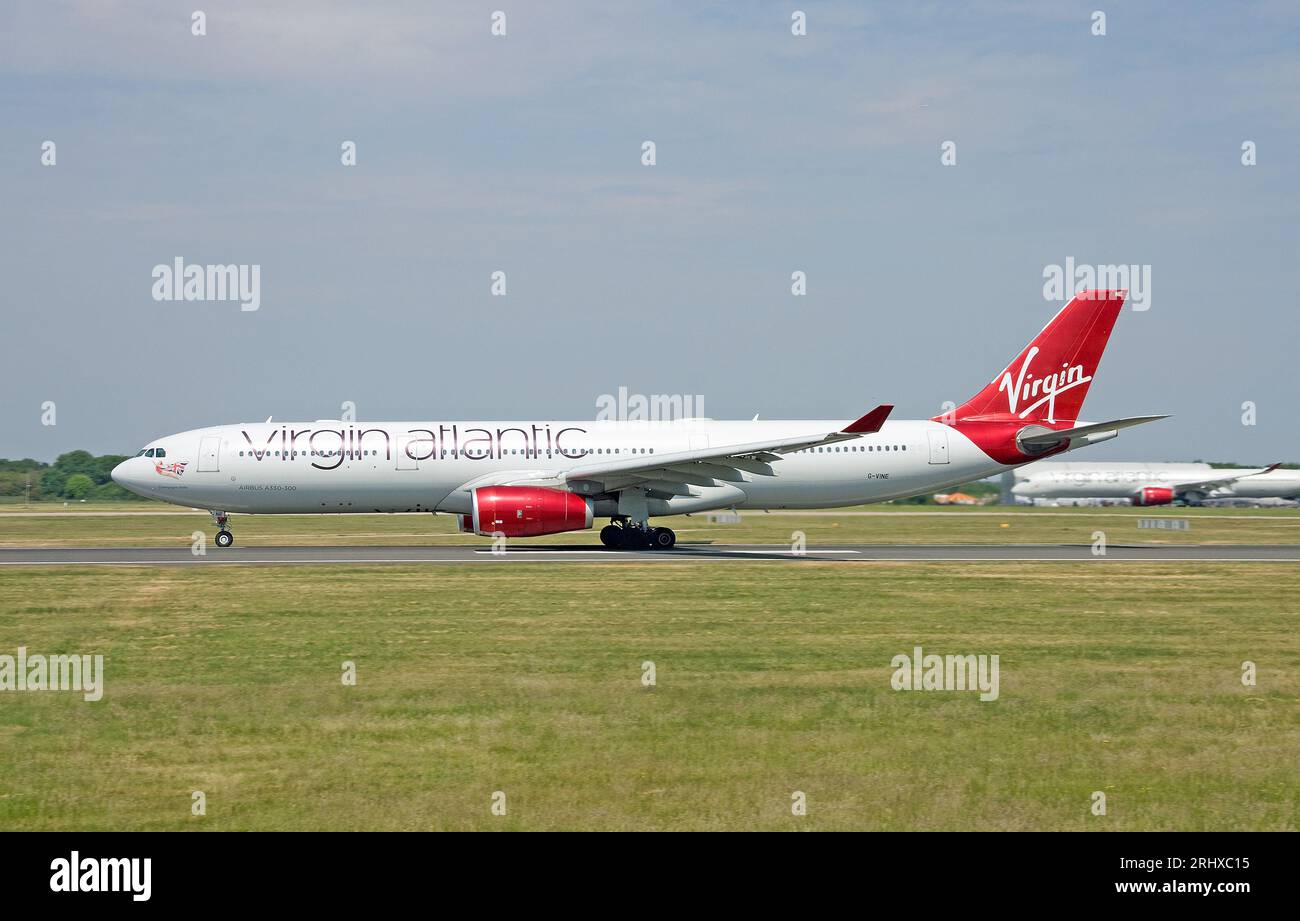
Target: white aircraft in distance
{"x":1154,"y":484}
{"x":523,"y":479}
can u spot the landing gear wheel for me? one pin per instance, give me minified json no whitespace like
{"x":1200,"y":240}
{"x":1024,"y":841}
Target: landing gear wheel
{"x":225,"y":538}
{"x":662,"y":539}
{"x":633,"y":538}
{"x":611,"y":535}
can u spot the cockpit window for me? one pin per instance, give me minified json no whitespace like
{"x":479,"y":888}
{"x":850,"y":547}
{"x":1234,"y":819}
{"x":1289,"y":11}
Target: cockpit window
{"x":149,"y":453}
{"x":140,"y":453}
{"x":160,"y":453}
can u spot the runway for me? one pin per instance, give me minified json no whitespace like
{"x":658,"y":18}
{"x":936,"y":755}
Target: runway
{"x":684,"y":552}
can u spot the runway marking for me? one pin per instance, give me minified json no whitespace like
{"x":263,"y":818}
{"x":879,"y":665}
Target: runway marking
{"x":689,"y":552}
{"x":791,"y":552}
{"x":541,"y":551}
{"x":545,"y":552}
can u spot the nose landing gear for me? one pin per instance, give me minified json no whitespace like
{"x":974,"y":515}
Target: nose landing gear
{"x":224,"y":537}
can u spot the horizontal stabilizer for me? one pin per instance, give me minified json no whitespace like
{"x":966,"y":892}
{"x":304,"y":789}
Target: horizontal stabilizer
{"x":1047,"y":439}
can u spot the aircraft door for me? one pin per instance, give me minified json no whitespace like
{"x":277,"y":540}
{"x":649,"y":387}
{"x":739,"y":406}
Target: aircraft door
{"x":939,"y":445}
{"x":210,"y":454}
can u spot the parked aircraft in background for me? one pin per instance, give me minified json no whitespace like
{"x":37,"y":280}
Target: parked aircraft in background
{"x":1153,"y":484}
{"x":527,"y":478}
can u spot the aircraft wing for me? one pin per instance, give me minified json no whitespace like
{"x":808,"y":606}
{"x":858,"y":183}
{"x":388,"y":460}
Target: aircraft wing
{"x":1215,"y":483}
{"x":673,"y":474}
{"x":666,"y":475}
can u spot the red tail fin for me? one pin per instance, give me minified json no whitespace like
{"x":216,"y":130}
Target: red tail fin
{"x":1049,"y":378}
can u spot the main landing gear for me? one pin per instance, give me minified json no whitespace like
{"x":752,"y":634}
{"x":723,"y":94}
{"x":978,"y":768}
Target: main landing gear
{"x":624,"y":535}
{"x":224,"y":537}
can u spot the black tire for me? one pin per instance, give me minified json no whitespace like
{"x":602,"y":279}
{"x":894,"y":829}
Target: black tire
{"x":611,"y":535}
{"x":663,"y":539}
{"x":633,"y":539}
{"x":225,"y":538}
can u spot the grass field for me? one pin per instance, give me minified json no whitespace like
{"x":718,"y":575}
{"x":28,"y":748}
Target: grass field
{"x":153,"y":526}
{"x":770,"y":679}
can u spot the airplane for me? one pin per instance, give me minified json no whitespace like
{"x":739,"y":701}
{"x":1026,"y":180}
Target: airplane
{"x":530,"y":478}
{"x":1153,"y":484}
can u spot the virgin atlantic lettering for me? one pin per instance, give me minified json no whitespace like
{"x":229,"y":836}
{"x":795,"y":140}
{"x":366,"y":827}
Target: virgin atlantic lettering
{"x":421,"y":444}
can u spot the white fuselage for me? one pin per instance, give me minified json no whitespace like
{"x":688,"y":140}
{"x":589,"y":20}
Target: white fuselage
{"x":328,"y":466}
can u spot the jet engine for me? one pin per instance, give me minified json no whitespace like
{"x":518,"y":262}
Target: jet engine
{"x":1153,"y":495}
{"x":525,"y":511}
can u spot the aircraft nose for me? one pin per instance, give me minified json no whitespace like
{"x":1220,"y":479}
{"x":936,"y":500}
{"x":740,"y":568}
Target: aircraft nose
{"x":118,"y":474}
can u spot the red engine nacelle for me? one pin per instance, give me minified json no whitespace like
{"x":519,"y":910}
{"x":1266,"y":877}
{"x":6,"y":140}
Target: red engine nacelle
{"x":525,"y":511}
{"x":1153,"y":495}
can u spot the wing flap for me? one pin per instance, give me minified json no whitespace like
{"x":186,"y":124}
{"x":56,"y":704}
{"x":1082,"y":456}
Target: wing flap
{"x":668,"y":488}
{"x":715,"y":470}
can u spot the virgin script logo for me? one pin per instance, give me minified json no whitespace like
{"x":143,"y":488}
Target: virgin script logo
{"x":1041,"y":389}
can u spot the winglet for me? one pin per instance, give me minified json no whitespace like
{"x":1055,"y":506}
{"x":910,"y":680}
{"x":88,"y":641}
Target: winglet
{"x":871,"y":422}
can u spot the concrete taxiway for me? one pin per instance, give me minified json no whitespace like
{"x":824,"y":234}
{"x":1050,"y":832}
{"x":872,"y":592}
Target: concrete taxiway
{"x":684,"y":552}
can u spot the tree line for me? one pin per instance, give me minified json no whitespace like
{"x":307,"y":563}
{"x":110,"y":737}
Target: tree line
{"x":73,"y":476}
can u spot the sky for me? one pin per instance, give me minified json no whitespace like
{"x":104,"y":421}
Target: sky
{"x":522,"y":153}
